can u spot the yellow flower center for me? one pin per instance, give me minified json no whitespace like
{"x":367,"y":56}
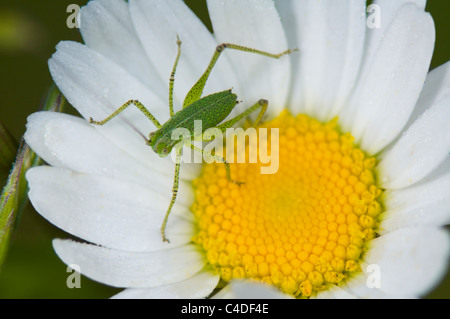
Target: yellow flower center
{"x":302,"y":228}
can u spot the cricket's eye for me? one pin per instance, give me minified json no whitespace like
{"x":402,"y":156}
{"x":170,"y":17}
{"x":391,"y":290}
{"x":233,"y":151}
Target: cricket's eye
{"x":150,"y":136}
{"x":165,"y":151}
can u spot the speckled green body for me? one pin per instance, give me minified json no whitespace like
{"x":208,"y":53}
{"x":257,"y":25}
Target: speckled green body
{"x":210,"y":110}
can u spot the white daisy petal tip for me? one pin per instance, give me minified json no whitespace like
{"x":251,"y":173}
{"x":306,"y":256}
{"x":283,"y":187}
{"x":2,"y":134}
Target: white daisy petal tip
{"x":36,"y":132}
{"x":125,"y":269}
{"x":200,"y":285}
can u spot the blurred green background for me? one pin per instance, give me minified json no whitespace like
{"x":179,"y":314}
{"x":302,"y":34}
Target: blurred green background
{"x":29,"y":32}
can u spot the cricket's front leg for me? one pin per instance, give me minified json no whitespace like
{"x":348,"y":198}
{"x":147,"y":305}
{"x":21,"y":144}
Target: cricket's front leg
{"x":137,"y":104}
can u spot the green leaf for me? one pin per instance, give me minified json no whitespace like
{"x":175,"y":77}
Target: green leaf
{"x":55,"y":101}
{"x":8,"y":149}
{"x":14,"y":195}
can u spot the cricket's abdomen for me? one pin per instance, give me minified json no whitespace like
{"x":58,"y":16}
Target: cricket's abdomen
{"x":210,"y":110}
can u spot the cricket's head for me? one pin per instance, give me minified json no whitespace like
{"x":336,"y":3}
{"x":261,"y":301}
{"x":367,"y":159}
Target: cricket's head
{"x":159,"y":144}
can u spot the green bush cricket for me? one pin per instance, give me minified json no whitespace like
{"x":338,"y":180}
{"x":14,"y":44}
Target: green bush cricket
{"x":211,"y":110}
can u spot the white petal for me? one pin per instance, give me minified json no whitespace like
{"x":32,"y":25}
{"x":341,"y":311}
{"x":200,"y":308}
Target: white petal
{"x":107,"y":28}
{"x":35,"y":133}
{"x":390,"y":85}
{"x":411,"y":260}
{"x":199,"y":286}
{"x":330,"y":36}
{"x":388,"y":10}
{"x":96,"y":86}
{"x":425,"y":204}
{"x":67,"y":141}
{"x":419,"y":150}
{"x":157,"y":24}
{"x":255,"y":24}
{"x":107,"y":211}
{"x":239,"y":289}
{"x":437,"y":85}
{"x":362,"y":286}
{"x":131,"y":269}
{"x":334,"y":292}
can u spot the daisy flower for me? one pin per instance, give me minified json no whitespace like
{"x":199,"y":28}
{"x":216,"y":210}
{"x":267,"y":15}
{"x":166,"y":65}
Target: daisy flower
{"x":357,"y":205}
